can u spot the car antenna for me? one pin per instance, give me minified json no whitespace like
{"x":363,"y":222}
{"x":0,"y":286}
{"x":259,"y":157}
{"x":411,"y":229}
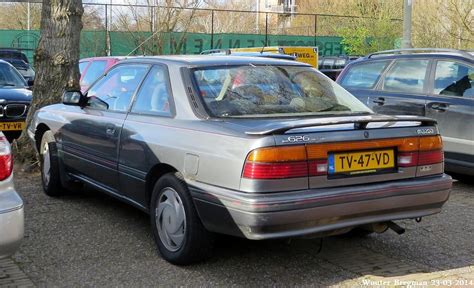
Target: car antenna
{"x":141,"y":44}
{"x":264,"y":46}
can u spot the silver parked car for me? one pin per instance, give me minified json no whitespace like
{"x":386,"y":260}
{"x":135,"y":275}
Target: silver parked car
{"x":252,"y":147}
{"x":11,"y":205}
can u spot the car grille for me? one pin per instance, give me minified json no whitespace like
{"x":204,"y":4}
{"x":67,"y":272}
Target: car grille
{"x":13,"y":110}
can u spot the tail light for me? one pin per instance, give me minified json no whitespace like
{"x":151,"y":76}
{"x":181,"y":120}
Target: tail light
{"x":311,"y":160}
{"x":276,"y":163}
{"x":429,"y":152}
{"x":6,"y":160}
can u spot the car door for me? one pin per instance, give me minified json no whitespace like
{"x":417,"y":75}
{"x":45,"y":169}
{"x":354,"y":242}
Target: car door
{"x":402,"y":89}
{"x":451,"y":103}
{"x":91,"y":138}
{"x":360,"y":79}
{"x":145,"y":135}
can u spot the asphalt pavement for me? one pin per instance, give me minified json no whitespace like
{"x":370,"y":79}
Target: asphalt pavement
{"x":89,"y":239}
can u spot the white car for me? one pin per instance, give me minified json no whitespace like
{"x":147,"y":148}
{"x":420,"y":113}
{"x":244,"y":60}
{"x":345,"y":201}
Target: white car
{"x":11,"y":205}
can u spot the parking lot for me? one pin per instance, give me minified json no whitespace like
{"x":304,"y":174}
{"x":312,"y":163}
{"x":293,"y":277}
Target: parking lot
{"x":89,"y":239}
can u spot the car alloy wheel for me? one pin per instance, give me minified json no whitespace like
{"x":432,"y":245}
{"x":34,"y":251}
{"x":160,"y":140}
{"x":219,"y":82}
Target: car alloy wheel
{"x":170,"y":219}
{"x":46,"y":164}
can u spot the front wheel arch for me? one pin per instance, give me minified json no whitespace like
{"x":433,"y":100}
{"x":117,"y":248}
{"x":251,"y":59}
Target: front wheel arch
{"x":39,"y":132}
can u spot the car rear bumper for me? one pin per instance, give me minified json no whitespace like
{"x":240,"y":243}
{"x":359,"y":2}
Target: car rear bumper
{"x":11,"y":219}
{"x":299,"y":213}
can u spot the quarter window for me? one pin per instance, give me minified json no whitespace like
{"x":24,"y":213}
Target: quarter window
{"x":115,"y":90}
{"x":453,"y":79}
{"x":406,"y":76}
{"x":154,"y":95}
{"x":364,"y":75}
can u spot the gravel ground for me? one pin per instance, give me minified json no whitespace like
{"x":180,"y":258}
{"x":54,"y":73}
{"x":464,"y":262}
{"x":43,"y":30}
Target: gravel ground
{"x":89,"y":239}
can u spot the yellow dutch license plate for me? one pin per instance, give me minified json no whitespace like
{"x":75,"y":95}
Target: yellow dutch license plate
{"x":361,"y":162}
{"x":12,"y":126}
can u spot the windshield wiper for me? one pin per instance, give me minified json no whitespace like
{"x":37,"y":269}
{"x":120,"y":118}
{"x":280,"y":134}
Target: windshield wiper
{"x":8,"y":84}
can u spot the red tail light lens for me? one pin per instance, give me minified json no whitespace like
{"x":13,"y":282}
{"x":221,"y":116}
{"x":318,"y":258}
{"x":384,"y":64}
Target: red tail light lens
{"x":430,"y":157}
{"x":278,"y":170}
{"x":6,"y":160}
{"x":411,"y":159}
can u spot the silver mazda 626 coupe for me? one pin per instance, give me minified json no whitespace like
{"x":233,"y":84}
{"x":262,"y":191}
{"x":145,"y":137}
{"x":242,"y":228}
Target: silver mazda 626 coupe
{"x":251,"y":147}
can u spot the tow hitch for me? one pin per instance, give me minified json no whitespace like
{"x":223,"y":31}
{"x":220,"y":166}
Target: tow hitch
{"x":399,"y":230}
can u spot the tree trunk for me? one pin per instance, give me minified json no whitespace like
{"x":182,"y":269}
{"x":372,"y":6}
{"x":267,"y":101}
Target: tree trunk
{"x":56,"y":60}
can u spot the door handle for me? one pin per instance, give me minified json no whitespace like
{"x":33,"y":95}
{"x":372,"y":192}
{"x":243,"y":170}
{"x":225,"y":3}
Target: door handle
{"x":110,"y":130}
{"x":438,"y":106}
{"x":379,"y":101}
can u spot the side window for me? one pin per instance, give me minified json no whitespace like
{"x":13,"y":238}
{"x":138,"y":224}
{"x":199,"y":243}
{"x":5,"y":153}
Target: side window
{"x":155,"y":93}
{"x":114,"y":91}
{"x":82,"y":66}
{"x":453,"y":79}
{"x":364,"y":75}
{"x":406,"y":76}
{"x":95,"y":70}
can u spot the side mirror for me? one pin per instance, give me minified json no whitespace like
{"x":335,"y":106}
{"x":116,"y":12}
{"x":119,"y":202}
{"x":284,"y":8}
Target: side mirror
{"x":30,"y":82}
{"x":74,"y":98}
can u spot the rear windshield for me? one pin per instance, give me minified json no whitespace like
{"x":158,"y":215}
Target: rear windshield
{"x":272,"y":91}
{"x":19,"y":64}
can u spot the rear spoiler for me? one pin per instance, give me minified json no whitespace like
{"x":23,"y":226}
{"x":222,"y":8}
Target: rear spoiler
{"x":360,"y":122}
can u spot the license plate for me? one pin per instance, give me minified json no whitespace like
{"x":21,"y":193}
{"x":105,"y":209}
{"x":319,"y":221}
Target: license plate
{"x":361,"y":162}
{"x":12,"y":126}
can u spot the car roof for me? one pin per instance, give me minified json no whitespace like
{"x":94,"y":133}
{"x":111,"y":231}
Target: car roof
{"x":11,"y":50}
{"x":103,"y":58}
{"x":14,"y":60}
{"x":421,"y":52}
{"x":208,"y":60}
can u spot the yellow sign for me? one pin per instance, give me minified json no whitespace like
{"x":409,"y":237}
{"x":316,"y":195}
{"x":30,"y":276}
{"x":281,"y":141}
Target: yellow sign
{"x":303,"y":54}
{"x":369,"y":161}
{"x":12,"y":126}
{"x":307,"y":55}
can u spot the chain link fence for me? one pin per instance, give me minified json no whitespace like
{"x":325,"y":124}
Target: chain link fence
{"x":120,"y":29}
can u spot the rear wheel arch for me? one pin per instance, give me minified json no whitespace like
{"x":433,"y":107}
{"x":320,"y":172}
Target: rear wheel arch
{"x":155,"y":173}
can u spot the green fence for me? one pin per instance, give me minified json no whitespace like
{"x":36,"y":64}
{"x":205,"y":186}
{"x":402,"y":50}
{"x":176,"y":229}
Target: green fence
{"x":94,"y":43}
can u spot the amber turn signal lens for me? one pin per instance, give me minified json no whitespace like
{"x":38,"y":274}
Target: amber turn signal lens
{"x":431,"y":143}
{"x":278,"y":154}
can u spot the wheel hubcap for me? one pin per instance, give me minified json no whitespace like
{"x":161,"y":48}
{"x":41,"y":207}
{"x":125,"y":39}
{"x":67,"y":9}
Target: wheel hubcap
{"x":46,"y":164}
{"x":170,"y":219}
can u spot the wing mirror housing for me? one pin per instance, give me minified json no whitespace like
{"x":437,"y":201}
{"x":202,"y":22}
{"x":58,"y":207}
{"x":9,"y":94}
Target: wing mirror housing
{"x":74,"y":98}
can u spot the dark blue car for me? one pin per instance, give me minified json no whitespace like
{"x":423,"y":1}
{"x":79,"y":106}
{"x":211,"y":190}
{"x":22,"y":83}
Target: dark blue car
{"x":15,"y":99}
{"x":436,"y":83}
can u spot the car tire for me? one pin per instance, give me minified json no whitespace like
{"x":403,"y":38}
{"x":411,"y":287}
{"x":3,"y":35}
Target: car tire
{"x":178,"y":232}
{"x":49,"y":161}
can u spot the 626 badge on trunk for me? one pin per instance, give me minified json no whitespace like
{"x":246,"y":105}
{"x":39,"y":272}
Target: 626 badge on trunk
{"x":353,"y":163}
